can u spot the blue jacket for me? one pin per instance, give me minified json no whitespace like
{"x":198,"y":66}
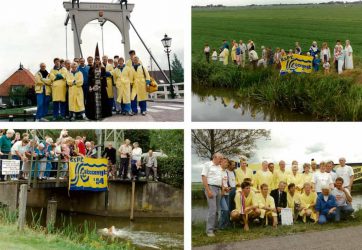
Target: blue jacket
{"x":322,"y":206}
{"x":85,"y":72}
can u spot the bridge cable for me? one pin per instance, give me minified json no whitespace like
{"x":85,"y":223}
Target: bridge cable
{"x":78,"y":39}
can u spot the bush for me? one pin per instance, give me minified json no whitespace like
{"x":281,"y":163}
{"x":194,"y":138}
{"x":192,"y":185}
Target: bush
{"x":171,"y":170}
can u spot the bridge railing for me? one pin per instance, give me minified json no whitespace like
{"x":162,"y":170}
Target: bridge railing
{"x":165,"y":93}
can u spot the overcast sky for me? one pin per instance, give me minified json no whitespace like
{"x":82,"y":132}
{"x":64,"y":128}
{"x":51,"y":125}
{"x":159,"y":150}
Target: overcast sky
{"x":293,"y":143}
{"x":33,"y":31}
{"x":249,"y":2}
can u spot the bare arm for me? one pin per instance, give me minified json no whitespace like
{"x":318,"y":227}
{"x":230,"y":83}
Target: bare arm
{"x":206,"y":186}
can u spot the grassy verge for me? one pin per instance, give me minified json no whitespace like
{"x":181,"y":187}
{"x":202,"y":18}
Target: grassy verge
{"x":67,"y":236}
{"x":199,"y":237}
{"x":332,"y":97}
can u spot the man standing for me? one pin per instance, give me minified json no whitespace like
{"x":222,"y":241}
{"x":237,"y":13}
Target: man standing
{"x":263,"y":176}
{"x":151,"y":163}
{"x":57,"y":77}
{"x":212,"y":176}
{"x":280,"y":198}
{"x":43,"y":91}
{"x":85,"y":71}
{"x":243,"y":172}
{"x":280,"y":174}
{"x":207,"y":53}
{"x":343,"y":199}
{"x":90,"y":61}
{"x":110,"y":153}
{"x":125,"y":153}
{"x":75,"y":98}
{"x":346,"y":172}
{"x":243,"y":53}
{"x":109,"y":69}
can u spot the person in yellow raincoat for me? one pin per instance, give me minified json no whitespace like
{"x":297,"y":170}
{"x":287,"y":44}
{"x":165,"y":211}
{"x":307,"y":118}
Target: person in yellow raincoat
{"x":233,"y":51}
{"x":43,"y":92}
{"x":307,"y":176}
{"x":293,"y":200}
{"x":280,"y":174}
{"x":226,"y":56}
{"x":141,"y":81}
{"x":296,"y":178}
{"x":243,"y":172}
{"x":132,"y":54}
{"x":109,"y":69}
{"x":123,"y":77}
{"x":57,"y":77}
{"x":267,"y":206}
{"x":75,"y":92}
{"x":307,"y":202}
{"x":263,"y":176}
{"x":246,"y":205}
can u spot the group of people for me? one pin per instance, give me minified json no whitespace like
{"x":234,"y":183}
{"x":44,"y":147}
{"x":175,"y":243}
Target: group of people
{"x":40,"y":158}
{"x":92,"y":91}
{"x":316,"y":192}
{"x":239,"y":52}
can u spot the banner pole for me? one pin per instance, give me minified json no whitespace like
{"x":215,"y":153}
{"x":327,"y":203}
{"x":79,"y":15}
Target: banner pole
{"x":132,"y":199}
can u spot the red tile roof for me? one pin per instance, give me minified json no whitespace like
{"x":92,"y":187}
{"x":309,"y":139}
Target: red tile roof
{"x":20,"y":77}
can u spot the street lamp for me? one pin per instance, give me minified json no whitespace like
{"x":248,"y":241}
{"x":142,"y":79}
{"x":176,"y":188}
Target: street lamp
{"x":166,"y":41}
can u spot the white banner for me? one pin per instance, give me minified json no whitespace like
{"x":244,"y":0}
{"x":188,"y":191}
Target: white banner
{"x":287,"y":216}
{"x":10,"y":167}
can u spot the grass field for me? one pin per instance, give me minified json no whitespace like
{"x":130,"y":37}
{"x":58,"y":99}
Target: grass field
{"x":277,"y":26}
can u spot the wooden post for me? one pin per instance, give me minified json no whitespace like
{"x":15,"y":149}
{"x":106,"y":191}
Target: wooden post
{"x":132,"y":199}
{"x":23,"y":194}
{"x":51,"y":214}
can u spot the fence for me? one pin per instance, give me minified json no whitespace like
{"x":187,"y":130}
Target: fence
{"x":164,"y":91}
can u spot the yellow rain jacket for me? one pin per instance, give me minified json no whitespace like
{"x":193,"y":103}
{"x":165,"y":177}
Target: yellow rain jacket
{"x":308,"y":202}
{"x":39,"y":83}
{"x":251,"y":200}
{"x":123,"y":80}
{"x":241,"y":175}
{"x":297,"y":180}
{"x":292,"y":200}
{"x":75,"y":92}
{"x":233,"y":53}
{"x":139,"y":87}
{"x":109,"y":68}
{"x":307,"y":178}
{"x":266,"y":202}
{"x":58,"y":86}
{"x":129,"y":63}
{"x":262,"y":177}
{"x":226,"y":56}
{"x":280,"y":176}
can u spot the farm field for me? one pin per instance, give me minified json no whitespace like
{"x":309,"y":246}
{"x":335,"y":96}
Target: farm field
{"x":277,"y":26}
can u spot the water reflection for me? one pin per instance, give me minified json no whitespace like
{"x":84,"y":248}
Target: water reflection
{"x":213,"y":104}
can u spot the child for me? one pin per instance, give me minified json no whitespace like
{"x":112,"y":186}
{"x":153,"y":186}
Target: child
{"x":316,"y":62}
{"x":326,"y":65}
{"x":207,"y":52}
{"x":214,"y":55}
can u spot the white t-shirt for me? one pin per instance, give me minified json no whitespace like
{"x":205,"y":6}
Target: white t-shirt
{"x":231,"y":178}
{"x":333,"y":176}
{"x":213,"y":173}
{"x":345,"y":172}
{"x":207,"y":49}
{"x":321,"y":179}
{"x":18,"y":146}
{"x":137,"y":154}
{"x":124,"y":150}
{"x":341,"y":198}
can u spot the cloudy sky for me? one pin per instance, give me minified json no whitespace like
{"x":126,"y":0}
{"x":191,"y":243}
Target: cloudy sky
{"x":302,"y":143}
{"x":33,"y":31}
{"x":249,"y":2}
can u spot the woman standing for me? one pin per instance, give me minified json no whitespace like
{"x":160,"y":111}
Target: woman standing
{"x":136,"y":156}
{"x":348,"y":57}
{"x":340,"y":59}
{"x":314,"y":50}
{"x":325,"y":53}
{"x":233,"y":51}
{"x":141,"y":82}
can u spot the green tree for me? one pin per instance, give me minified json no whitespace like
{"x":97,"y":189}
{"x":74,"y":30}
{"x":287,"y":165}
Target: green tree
{"x":171,"y":142}
{"x":230,"y":142}
{"x":140,"y":136}
{"x":177,"y":70}
{"x":18,"y":95}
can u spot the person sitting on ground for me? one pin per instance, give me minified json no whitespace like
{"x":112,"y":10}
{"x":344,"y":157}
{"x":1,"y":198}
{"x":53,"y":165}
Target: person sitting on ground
{"x":343,"y":200}
{"x":326,"y":206}
{"x":280,"y":198}
{"x":267,"y":206}
{"x":246,"y":205}
{"x":293,"y":199}
{"x":307,"y":203}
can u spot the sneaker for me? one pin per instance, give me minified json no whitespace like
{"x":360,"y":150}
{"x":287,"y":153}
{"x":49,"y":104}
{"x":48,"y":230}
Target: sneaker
{"x":210,"y":234}
{"x":144,"y":113}
{"x":37,"y":120}
{"x":72,"y":119}
{"x":130,"y":114}
{"x":85,"y":118}
{"x":44,"y":120}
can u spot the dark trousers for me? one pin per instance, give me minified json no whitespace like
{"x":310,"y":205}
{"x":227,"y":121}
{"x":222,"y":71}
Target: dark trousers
{"x":123,"y":171}
{"x":207,"y":55}
{"x":154,"y":170}
{"x":134,"y":169}
{"x":336,"y":65}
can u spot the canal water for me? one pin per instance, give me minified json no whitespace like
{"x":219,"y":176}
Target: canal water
{"x":215,"y":104}
{"x":143,"y":233}
{"x":199,"y":207}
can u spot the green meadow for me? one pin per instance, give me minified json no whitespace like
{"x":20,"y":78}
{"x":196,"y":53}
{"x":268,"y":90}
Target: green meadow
{"x":277,"y":26}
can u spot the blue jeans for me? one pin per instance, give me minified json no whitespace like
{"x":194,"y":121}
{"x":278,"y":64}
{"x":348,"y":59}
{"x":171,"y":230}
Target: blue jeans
{"x":323,"y":218}
{"x":344,"y":212}
{"x":59,"y":107}
{"x":224,"y":221}
{"x":15,"y":157}
{"x":213,"y":209}
{"x":47,"y":99}
{"x":126,"y":107}
{"x":40,"y":98}
{"x":231,"y":204}
{"x":142,"y":104}
{"x":48,"y":169}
